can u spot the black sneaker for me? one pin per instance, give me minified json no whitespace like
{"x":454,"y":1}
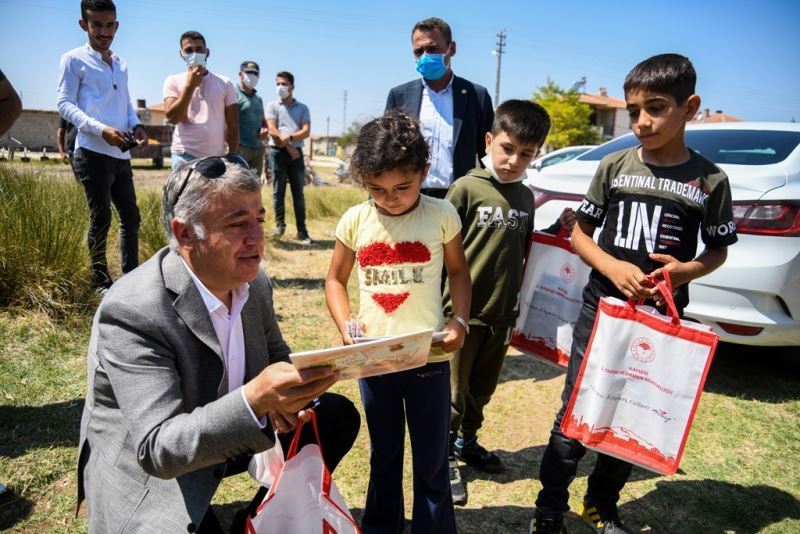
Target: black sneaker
{"x":605,"y":522}
{"x":304,"y":239}
{"x":473,"y":454}
{"x":547,"y":525}
{"x":457,"y":486}
{"x":279,"y":230}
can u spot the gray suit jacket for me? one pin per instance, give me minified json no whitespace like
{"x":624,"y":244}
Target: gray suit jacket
{"x":159,"y":423}
{"x":472,"y":118}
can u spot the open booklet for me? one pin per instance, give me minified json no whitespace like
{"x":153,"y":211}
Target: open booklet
{"x":378,"y":356}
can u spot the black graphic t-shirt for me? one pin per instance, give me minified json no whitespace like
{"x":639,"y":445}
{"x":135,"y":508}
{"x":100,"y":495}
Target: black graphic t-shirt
{"x":651,"y":209}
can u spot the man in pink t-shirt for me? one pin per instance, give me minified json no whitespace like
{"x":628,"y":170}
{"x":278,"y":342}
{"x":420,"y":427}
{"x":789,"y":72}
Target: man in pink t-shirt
{"x":202,"y":105}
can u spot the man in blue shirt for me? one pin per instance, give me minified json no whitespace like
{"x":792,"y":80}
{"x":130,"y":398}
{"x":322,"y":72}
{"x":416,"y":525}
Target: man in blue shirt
{"x":252,"y":124}
{"x":93,"y":95}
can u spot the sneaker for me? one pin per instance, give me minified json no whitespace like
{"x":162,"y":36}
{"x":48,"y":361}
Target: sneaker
{"x":278,"y":231}
{"x":457,"y":486}
{"x":473,"y":454}
{"x":304,"y":239}
{"x":606,"y":522}
{"x":547,"y":525}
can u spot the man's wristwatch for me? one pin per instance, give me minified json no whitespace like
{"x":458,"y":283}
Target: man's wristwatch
{"x":462,"y":322}
{"x":290,"y":138}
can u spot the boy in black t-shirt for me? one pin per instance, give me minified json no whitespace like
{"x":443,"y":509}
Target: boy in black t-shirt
{"x":653,"y":199}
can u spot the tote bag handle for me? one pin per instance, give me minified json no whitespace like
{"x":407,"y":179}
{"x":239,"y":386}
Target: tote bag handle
{"x":664,"y":286}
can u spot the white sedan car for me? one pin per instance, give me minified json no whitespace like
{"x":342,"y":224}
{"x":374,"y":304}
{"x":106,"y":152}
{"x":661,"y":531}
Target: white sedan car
{"x":754,"y":298}
{"x":557,"y":156}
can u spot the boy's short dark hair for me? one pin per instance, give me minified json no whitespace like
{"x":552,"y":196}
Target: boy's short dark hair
{"x":524,"y":119}
{"x":391,"y":142}
{"x":286,"y":75}
{"x":434,"y":23}
{"x":96,"y":5}
{"x":672,"y":74}
{"x":192,"y":36}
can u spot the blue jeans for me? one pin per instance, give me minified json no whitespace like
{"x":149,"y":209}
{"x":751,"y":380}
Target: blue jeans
{"x":178,"y":159}
{"x":422,"y":398}
{"x":286,"y":170}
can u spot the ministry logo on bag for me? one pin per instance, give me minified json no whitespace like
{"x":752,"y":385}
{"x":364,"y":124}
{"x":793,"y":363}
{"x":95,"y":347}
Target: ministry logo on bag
{"x":643,"y":349}
{"x":567,"y":273}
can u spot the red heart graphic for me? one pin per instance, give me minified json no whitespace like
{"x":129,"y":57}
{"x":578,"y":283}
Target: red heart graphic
{"x":376,"y":254}
{"x":390,"y":301}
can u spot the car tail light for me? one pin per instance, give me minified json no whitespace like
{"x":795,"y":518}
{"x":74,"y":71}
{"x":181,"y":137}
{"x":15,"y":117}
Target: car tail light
{"x":741,"y":330}
{"x":541,"y":196}
{"x":778,"y":218}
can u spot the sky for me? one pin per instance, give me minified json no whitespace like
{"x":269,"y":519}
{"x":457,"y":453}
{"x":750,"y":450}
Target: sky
{"x":746,"y":53}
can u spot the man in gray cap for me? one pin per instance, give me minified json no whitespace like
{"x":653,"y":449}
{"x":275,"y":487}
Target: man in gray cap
{"x":252,"y":124}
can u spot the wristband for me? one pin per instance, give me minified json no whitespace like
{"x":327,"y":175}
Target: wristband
{"x":290,"y":138}
{"x":462,"y":322}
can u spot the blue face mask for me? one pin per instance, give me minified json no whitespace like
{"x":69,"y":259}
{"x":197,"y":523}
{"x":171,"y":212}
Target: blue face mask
{"x":431,"y":66}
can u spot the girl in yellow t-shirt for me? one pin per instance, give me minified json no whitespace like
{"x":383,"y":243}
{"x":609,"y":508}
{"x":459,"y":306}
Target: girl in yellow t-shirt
{"x":398,"y":240}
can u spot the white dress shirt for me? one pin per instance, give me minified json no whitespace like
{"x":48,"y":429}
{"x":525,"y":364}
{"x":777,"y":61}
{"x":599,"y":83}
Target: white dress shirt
{"x":93,"y":95}
{"x":436,"y":118}
{"x":230,"y":334}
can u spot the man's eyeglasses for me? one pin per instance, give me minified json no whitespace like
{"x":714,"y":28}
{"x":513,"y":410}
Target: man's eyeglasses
{"x":211,"y":168}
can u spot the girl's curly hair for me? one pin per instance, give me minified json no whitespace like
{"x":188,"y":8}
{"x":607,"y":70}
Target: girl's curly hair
{"x":393,"y":141}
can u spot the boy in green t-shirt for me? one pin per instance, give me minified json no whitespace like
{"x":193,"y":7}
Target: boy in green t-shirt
{"x":496,"y":212}
{"x":653,"y":199}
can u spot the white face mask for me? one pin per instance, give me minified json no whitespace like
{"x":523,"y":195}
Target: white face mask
{"x":250,"y":80}
{"x":487,"y":162}
{"x":282,"y":91}
{"x":195,"y":59}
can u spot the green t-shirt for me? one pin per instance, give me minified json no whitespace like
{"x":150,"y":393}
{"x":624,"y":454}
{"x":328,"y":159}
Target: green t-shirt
{"x":251,"y":118}
{"x":651,"y":209}
{"x":496,"y":222}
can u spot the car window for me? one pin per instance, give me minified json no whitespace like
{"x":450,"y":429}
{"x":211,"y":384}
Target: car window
{"x":558,"y":158}
{"x":736,"y":147}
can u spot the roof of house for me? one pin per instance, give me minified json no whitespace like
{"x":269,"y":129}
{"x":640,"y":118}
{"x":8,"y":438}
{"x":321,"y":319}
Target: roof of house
{"x":717,"y":116}
{"x":602,"y":101}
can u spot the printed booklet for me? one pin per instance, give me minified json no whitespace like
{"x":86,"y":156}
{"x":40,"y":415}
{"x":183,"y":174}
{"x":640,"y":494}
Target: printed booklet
{"x":378,"y":356}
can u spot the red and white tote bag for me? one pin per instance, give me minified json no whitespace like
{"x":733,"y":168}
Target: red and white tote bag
{"x":640,"y":383}
{"x":550,"y":299}
{"x":304,"y":497}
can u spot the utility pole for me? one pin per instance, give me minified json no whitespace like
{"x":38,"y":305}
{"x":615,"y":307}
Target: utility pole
{"x":328,"y":136}
{"x":344,"y":114}
{"x":501,"y":43}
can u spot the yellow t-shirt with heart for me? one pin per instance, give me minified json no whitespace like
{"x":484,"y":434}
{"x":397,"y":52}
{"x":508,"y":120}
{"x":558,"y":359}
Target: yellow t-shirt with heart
{"x":399,"y":260}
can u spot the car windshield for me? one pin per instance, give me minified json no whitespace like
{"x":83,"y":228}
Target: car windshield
{"x":736,"y":147}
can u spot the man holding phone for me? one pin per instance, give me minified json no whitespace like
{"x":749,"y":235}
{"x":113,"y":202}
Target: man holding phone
{"x":202,"y":105}
{"x":93,"y":95}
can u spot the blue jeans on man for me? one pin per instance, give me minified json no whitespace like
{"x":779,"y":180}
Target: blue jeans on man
{"x":286,"y":170}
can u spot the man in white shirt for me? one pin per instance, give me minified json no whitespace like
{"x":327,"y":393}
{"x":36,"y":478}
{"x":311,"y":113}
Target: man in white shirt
{"x":454,"y":113}
{"x":188,"y":372}
{"x":202,"y":105}
{"x":93,"y":95}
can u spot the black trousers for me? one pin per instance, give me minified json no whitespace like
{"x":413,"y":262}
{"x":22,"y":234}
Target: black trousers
{"x":561,"y":457}
{"x":338,"y":421}
{"x":108,"y":180}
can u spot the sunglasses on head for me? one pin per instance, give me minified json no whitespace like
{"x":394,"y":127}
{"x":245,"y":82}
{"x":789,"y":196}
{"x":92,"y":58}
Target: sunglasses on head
{"x":210,"y":168}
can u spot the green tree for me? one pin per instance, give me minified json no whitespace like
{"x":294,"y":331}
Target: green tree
{"x":569,"y":117}
{"x":350,"y":137}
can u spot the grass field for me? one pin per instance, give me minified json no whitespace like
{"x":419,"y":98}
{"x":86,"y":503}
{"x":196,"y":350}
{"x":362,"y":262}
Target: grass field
{"x":740,"y":471}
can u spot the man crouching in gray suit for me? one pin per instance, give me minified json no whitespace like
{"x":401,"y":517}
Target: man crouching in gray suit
{"x":188,"y":372}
